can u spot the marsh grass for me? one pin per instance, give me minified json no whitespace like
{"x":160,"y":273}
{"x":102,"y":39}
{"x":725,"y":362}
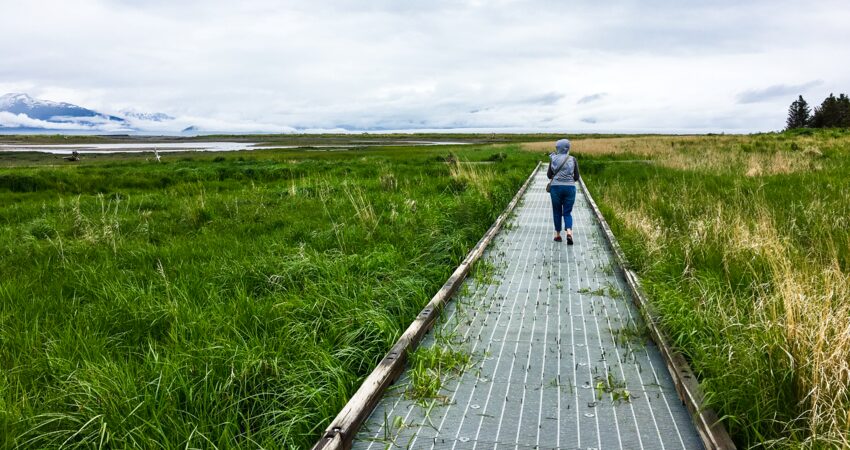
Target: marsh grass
{"x":430,"y":368}
{"x":630,"y":334}
{"x":743,"y":245}
{"x":478,"y":177}
{"x":221,"y":301}
{"x":612,"y":386}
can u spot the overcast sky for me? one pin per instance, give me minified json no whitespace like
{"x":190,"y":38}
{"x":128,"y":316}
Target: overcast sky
{"x":571,"y":66}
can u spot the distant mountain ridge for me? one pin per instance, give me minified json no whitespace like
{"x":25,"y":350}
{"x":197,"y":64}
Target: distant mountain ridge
{"x":27,"y":113}
{"x":49,"y":111}
{"x":154,"y":117}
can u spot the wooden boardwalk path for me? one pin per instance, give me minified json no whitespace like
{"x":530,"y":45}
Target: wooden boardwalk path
{"x":560,"y":355}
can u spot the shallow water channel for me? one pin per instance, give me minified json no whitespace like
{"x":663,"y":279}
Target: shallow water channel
{"x":171,"y":147}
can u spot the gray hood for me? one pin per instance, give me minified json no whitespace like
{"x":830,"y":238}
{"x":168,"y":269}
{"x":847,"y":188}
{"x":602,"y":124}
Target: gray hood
{"x":562,"y":146}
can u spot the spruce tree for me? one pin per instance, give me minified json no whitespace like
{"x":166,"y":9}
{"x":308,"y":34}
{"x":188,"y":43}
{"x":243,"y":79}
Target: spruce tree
{"x":799,"y":114}
{"x":828,"y":114}
{"x":843,"y":111}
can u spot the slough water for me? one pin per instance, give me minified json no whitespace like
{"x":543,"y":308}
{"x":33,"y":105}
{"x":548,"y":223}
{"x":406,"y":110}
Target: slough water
{"x":174,"y":147}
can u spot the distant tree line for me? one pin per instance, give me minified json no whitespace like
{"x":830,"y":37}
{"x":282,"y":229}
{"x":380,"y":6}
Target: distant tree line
{"x":834,"y":112}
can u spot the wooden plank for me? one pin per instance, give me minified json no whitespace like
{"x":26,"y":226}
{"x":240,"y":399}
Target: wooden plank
{"x":340,"y":433}
{"x":711,"y":430}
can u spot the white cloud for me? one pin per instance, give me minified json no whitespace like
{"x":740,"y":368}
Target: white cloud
{"x":783,"y":91}
{"x":94,"y":124}
{"x":664,"y":65}
{"x":591,"y":98}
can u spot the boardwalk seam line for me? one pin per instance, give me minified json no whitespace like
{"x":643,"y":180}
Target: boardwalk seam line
{"x":340,"y":432}
{"x":708,"y":425}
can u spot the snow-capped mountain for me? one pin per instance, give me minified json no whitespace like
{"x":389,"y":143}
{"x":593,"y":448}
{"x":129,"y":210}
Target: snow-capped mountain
{"x":46,"y":114}
{"x":20,"y":113}
{"x":153,"y":117}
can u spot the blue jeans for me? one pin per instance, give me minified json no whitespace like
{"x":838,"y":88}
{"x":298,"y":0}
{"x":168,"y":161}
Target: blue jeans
{"x":563,"y":198}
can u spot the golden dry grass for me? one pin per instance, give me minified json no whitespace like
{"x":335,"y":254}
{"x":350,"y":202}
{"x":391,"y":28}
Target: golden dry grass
{"x":705,"y":153}
{"x":816,"y":323}
{"x":803,"y":303}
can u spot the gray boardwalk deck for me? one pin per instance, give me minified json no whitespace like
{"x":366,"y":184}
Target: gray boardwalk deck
{"x":555,"y":342}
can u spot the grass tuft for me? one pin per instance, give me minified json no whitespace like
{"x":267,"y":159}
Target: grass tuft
{"x":430,"y":368}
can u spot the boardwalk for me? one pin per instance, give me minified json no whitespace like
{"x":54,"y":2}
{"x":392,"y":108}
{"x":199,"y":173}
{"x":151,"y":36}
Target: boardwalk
{"x":561,"y":358}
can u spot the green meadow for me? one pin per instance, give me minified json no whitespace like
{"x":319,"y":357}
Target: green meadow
{"x":222,"y":300}
{"x":237,"y":300}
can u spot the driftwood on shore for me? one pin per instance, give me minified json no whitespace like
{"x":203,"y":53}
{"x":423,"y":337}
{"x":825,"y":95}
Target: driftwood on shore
{"x":74,"y":156}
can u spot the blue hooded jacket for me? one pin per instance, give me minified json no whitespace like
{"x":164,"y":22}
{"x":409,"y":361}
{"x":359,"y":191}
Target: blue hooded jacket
{"x":568,"y":174}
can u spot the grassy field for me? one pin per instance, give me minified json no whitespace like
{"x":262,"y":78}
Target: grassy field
{"x":236,"y":300}
{"x":221,"y":300}
{"x":743,"y":244}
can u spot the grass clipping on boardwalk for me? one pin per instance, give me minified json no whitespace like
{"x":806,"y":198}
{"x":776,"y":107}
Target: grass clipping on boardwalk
{"x":222,"y":300}
{"x":743,"y":244}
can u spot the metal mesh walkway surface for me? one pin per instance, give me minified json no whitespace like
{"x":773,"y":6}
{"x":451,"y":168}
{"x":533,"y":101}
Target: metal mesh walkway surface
{"x":560,"y":357}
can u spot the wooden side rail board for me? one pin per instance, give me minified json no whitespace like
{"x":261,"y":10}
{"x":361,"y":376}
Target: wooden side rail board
{"x":342,"y":429}
{"x":711,"y":430}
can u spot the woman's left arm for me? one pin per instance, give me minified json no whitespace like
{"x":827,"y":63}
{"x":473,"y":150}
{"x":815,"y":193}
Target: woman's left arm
{"x":575,"y":169}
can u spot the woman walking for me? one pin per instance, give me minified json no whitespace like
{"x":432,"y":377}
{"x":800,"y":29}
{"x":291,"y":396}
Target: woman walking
{"x":563,"y":171}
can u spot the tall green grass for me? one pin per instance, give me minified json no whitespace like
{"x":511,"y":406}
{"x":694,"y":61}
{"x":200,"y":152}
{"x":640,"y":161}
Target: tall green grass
{"x":743,"y":244}
{"x":227,"y":301}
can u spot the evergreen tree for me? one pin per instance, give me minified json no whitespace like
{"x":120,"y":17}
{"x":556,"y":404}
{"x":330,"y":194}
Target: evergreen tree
{"x":834,"y":112}
{"x":799,"y":114}
{"x":823,"y":116}
{"x":843,"y":111}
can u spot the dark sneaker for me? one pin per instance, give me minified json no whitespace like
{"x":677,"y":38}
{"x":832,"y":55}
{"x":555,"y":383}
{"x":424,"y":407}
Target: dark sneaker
{"x":569,"y":240}
{"x":557,"y":238}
